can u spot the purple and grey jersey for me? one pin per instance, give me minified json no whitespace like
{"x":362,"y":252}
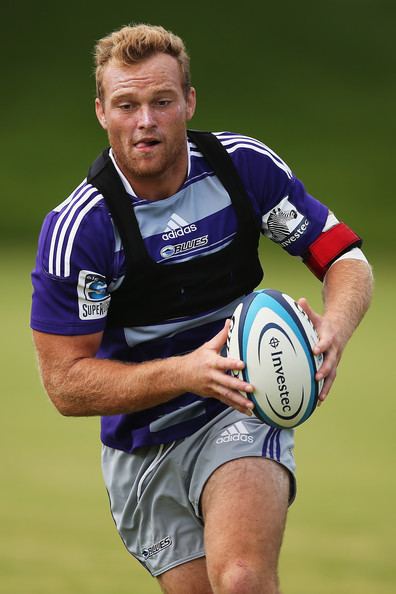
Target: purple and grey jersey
{"x":80,"y":262}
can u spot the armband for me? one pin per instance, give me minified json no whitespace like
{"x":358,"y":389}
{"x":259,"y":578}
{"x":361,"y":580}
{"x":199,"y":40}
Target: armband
{"x":329,"y":246}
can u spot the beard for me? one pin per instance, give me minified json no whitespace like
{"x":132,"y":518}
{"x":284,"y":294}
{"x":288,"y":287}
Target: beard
{"x":157,"y":164}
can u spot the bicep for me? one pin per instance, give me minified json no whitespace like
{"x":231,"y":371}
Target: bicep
{"x":71,"y":293}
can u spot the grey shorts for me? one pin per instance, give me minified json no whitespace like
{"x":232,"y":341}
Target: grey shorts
{"x":155,"y":492}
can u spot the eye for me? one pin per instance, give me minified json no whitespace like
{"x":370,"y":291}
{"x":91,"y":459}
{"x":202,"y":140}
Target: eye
{"x":163,"y":102}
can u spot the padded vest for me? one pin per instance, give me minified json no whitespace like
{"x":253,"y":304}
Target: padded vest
{"x":152,"y":292}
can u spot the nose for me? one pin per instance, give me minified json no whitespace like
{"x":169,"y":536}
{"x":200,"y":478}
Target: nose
{"x":146,"y":117}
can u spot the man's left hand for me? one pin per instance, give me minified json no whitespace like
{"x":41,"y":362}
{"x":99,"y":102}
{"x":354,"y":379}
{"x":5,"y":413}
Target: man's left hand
{"x":330,"y":344}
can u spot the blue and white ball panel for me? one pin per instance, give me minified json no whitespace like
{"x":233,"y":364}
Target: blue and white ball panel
{"x":308,"y":327}
{"x":274,"y":338}
{"x":233,"y":346}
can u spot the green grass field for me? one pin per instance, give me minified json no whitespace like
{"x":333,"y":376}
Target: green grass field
{"x":58,"y":536}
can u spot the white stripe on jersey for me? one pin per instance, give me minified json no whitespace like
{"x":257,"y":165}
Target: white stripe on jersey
{"x":73,"y":207}
{"x":227,"y":139}
{"x":239,"y":141}
{"x":67,"y":204}
{"x":195,"y":152}
{"x":62,"y":225}
{"x":74,"y":230}
{"x":202,"y":175}
{"x":282,"y":166}
{"x":69,"y":198}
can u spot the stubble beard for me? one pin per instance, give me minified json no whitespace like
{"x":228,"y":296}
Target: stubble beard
{"x":146,"y":167}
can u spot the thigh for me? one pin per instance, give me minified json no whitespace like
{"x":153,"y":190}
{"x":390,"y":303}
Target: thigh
{"x":150,"y":506}
{"x":244,"y":505}
{"x":235,"y":436}
{"x":191,"y":577}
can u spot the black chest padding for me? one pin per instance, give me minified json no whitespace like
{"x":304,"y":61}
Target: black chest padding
{"x":152,"y":292}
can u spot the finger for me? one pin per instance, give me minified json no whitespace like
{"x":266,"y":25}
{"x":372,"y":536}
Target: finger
{"x":231,"y":382}
{"x":234,"y":399}
{"x":313,"y":316}
{"x":330,"y":362}
{"x":219,"y":340}
{"x":323,"y":345}
{"x":326,"y":341}
{"x":228,"y":364}
{"x":327,"y":386}
{"x":323,"y":370}
{"x":231,"y":387}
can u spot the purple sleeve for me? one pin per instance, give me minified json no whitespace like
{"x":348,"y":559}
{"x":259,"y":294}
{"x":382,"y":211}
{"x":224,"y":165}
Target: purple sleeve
{"x":74,"y":267}
{"x":289,"y":215}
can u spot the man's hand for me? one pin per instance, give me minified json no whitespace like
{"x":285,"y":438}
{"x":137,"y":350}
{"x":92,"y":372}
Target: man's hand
{"x":329,"y":344}
{"x":347,"y":292}
{"x":205,"y":372}
{"x":79,"y":384}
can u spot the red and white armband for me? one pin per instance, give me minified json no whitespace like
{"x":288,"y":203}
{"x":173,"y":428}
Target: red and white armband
{"x":331,"y":244}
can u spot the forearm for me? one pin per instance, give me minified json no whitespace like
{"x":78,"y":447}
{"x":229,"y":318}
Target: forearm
{"x":79,"y":384}
{"x":347,"y":291}
{"x":92,"y":386}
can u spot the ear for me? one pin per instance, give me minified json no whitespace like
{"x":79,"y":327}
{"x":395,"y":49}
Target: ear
{"x":191,"y":103}
{"x":100,"y":113}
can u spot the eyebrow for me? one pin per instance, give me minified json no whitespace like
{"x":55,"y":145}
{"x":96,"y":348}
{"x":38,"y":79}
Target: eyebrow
{"x":129,"y":94}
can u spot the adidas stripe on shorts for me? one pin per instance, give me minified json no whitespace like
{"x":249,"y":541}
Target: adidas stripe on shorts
{"x":155,"y":492}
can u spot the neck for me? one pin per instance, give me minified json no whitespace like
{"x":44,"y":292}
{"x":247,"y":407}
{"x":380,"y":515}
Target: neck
{"x":157,"y":186}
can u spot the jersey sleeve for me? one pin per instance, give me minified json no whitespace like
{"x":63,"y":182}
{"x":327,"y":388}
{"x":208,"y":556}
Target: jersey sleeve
{"x":289,"y":215}
{"x":74,"y":266}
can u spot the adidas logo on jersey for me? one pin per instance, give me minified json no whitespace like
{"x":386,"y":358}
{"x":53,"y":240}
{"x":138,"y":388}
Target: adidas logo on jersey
{"x":235,"y":432}
{"x":177,"y":227}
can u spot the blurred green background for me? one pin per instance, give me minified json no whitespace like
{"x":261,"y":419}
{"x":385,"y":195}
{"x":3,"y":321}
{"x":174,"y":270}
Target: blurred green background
{"x":316,"y":82}
{"x":313,"y":80}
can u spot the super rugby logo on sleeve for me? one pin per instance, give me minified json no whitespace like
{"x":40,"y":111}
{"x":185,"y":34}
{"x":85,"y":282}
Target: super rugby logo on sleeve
{"x":283,"y":222}
{"x":93,"y":297}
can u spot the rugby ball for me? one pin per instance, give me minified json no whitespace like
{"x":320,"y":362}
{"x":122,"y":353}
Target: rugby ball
{"x":274,"y":337}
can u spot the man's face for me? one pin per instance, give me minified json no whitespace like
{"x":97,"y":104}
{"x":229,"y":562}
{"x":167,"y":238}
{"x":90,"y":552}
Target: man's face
{"x":144,"y":110}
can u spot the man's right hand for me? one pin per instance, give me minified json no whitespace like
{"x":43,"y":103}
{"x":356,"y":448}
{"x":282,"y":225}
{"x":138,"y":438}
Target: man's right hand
{"x":79,"y":384}
{"x":204,"y":372}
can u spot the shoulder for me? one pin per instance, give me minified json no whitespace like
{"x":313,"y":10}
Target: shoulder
{"x":82,"y":216}
{"x":247,"y":151}
{"x":82,"y":199}
{"x":246,"y":147}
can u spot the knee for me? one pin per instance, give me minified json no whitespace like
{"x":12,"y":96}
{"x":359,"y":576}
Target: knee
{"x":241,"y":577}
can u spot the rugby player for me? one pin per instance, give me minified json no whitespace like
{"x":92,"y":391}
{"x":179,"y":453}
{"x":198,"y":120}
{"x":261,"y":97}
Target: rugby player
{"x":137,"y":274}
